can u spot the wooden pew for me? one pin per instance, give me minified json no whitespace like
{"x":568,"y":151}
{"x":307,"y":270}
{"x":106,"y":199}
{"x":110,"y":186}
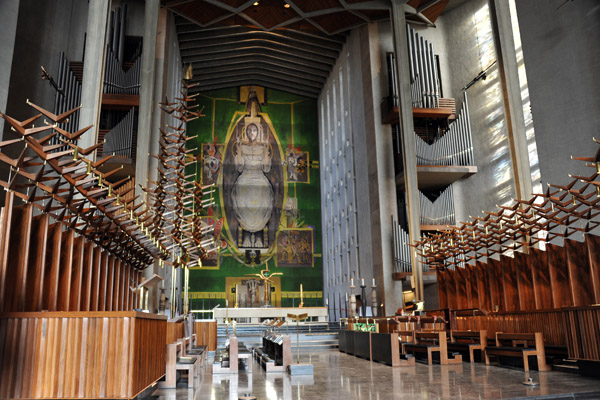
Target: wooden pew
{"x":519,"y":347}
{"x":189,"y":350}
{"x":276,"y":353}
{"x":432,"y":342}
{"x":176,"y":361}
{"x":468,"y":340}
{"x":227,"y":360}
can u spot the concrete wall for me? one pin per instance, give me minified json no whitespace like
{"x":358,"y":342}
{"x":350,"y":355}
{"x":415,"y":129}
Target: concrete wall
{"x":36,"y":34}
{"x":358,"y":190}
{"x":9,"y":9}
{"x":470,"y":49}
{"x":562,"y":59}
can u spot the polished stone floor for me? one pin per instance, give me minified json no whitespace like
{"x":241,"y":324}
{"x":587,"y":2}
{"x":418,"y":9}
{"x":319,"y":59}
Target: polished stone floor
{"x":344,"y":377}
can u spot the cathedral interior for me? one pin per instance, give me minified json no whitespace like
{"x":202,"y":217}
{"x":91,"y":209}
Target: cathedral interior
{"x":299,"y":199}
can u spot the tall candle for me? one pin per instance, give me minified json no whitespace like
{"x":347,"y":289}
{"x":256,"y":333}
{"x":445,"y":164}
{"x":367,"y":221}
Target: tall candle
{"x":373,"y":281}
{"x":351,"y":281}
{"x":346,"y":296}
{"x":300,"y":291}
{"x":362,"y":281}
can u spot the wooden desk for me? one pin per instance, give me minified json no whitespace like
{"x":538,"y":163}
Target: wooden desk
{"x":111,"y":354}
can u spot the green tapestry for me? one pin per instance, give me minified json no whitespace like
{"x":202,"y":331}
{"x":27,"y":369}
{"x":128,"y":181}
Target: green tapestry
{"x":258,"y":159}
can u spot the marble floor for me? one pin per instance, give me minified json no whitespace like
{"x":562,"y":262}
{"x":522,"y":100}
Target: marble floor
{"x":340,"y":376}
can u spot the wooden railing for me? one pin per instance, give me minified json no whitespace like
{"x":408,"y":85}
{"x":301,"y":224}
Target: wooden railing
{"x":576,"y":328}
{"x":80,"y":354}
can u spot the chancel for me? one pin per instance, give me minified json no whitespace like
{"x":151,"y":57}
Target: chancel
{"x":299,"y":199}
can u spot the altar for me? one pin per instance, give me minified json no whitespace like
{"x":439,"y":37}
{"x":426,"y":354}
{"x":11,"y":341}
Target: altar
{"x":255,"y":314}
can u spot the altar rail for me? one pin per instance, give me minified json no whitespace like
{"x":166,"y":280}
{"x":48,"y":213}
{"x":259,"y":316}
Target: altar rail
{"x":255,"y":314}
{"x":576,"y":328}
{"x":80,"y":354}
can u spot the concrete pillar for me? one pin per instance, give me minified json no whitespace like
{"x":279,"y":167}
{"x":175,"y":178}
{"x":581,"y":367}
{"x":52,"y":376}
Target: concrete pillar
{"x":145,"y":136}
{"x":8,"y":30}
{"x":93,"y":69}
{"x":409,"y":153}
{"x":513,"y":104}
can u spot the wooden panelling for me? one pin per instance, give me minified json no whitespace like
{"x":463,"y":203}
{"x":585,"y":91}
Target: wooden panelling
{"x":65,"y":270}
{"x":18,"y":256}
{"x":582,"y":330}
{"x":524,"y":282}
{"x":593,"y":245}
{"x":442,"y":290}
{"x":37,"y":251}
{"x":52,"y":268}
{"x":5,"y":222}
{"x":206,"y":334}
{"x":102,"y":290}
{"x":77,"y":274}
{"x":473,"y":279}
{"x":559,"y":277}
{"x":451,"y":287}
{"x":86,"y":279}
{"x":494,"y":268}
{"x":76,"y":354}
{"x":175,"y":330}
{"x":579,"y":273}
{"x":509,"y":283}
{"x":462,"y":289}
{"x":483,"y":287}
{"x":96,"y":274}
{"x":541,"y":279}
{"x":110,"y":282}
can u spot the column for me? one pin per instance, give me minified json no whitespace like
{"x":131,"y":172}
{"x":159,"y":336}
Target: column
{"x":513,"y":104}
{"x":145,"y":134}
{"x":409,"y":154}
{"x":93,"y":70}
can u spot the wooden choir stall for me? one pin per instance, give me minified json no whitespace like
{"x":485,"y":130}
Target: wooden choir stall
{"x":74,"y":243}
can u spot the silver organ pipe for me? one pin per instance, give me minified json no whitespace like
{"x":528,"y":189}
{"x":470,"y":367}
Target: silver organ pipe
{"x":425,"y":87}
{"x":455,"y":147}
{"x":401,"y":248}
{"x":69,"y":98}
{"x":440,"y":211}
{"x":119,"y":140}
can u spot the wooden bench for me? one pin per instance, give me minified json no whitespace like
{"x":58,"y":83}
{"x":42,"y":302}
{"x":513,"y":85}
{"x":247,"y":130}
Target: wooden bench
{"x":174,"y":362}
{"x":432,"y":342}
{"x":518,"y":345}
{"x":468,"y":340}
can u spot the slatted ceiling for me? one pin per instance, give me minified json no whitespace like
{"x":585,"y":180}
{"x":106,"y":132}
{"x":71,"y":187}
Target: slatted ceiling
{"x":201,"y":12}
{"x":270,"y":13}
{"x":339,"y":21}
{"x":294,"y":46}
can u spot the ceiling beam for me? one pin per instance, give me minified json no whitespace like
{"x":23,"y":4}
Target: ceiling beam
{"x":259,"y":82}
{"x":260,"y":38}
{"x":274,"y":49}
{"x":257,"y":55}
{"x":258,"y":74}
{"x":241,"y":68}
{"x":277,"y":64}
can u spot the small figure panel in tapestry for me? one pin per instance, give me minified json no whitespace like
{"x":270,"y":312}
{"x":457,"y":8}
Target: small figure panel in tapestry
{"x":296,"y":163}
{"x":295,"y":247}
{"x":212,"y":157}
